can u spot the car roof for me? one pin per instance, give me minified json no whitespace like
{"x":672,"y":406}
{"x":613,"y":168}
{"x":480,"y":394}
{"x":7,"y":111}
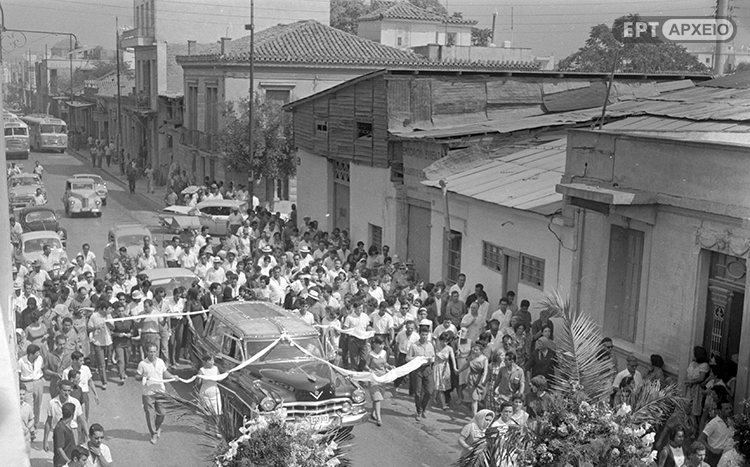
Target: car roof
{"x":167,"y":273}
{"x":29,"y":209}
{"x":261,"y":320}
{"x":220,"y":202}
{"x":129,"y":228}
{"x":39,"y":234}
{"x":25,"y":175}
{"x":80,"y":179}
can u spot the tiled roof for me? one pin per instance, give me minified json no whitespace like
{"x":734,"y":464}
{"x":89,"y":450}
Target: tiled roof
{"x":408,"y":11}
{"x":310,"y":42}
{"x":175,"y":81}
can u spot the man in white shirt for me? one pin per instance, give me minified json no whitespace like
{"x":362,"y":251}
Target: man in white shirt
{"x":278,"y":286}
{"x":503,"y":314}
{"x":461,"y":287}
{"x":404,"y":340}
{"x":88,"y":256}
{"x":152,"y":371}
{"x":359,"y":322}
{"x":189,"y":259}
{"x":305,"y":256}
{"x":216,"y":273}
{"x":173,"y":252}
{"x":382,"y":325}
{"x":630,"y":371}
{"x":54,"y":414}
{"x":80,"y":266}
{"x":31,"y":375}
{"x":100,"y":455}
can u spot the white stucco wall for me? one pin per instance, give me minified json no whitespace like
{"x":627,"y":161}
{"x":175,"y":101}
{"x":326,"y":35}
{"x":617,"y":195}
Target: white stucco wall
{"x":372,"y":201}
{"x":412,"y":33}
{"x":516,"y":230}
{"x":313,"y":190}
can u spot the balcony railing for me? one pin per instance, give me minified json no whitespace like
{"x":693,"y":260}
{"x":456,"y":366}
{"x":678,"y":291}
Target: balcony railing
{"x":208,"y":142}
{"x":137,"y":37}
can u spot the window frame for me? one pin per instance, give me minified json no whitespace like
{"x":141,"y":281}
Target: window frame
{"x":496,"y":263}
{"x":376,"y":235}
{"x":522,"y":270}
{"x":361,"y":131}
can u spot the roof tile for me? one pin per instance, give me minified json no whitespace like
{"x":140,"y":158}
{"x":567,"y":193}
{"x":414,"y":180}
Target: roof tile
{"x":409,"y":11}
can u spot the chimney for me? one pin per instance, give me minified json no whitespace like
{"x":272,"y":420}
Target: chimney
{"x":224,"y":43}
{"x":191,"y":45}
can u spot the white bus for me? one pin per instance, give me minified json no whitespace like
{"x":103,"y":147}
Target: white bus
{"x":16,"y":137}
{"x":47,"y":132}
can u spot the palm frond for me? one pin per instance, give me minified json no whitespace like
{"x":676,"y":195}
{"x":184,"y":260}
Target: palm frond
{"x":217,"y":429}
{"x":650,"y":402}
{"x":474,"y":457}
{"x":579,"y":361}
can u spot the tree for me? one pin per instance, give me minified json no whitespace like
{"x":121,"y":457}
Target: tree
{"x":345,"y":13}
{"x":273,"y":155}
{"x":648,"y":55}
{"x":481,"y":37}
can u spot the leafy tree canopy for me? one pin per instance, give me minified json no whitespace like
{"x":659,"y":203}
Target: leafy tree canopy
{"x":644,"y":56}
{"x":273,"y":153}
{"x":481,"y":37}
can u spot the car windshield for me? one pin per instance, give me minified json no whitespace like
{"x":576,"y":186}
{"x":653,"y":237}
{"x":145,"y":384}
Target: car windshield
{"x":18,"y":131}
{"x":37,"y":244}
{"x":24,"y":181}
{"x":97,"y":179}
{"x":81,"y":186}
{"x":59,"y":129}
{"x":130,"y":240}
{"x":36,"y":216}
{"x":284,"y":351}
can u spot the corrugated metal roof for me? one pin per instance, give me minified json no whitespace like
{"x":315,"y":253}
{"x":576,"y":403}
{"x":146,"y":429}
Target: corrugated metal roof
{"x":523,"y":180}
{"x":739,"y":80}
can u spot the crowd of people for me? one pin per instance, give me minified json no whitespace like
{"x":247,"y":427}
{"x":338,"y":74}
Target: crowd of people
{"x":495,"y":361}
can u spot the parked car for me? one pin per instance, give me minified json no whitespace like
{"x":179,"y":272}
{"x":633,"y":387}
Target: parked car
{"x":32,"y":248}
{"x":100,"y":186}
{"x":171,"y":278}
{"x":22,"y":188}
{"x":212,"y":214}
{"x":130,"y":236}
{"x":80,"y":197}
{"x":37,"y":218}
{"x":309,"y":390}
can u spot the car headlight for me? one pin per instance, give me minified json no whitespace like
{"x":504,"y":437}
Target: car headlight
{"x":61,"y":233}
{"x":98,"y":202}
{"x":268,"y":404}
{"x":346,"y":407}
{"x":358,"y":396}
{"x":72,"y":202}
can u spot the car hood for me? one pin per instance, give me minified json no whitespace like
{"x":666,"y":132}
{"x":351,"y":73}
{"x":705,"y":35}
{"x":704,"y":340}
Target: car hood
{"x":57,"y":255}
{"x":296,"y":380}
{"x":83,"y":193}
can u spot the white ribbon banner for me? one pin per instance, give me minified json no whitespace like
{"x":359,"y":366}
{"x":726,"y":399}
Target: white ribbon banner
{"x":222,"y":376}
{"x":358,"y":333}
{"x":154,"y":315}
{"x":367,"y":376}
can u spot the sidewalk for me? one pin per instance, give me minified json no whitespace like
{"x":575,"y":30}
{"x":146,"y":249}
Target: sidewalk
{"x":156,"y":198}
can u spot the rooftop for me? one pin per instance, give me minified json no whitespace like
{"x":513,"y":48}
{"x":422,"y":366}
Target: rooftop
{"x":411,"y":12}
{"x":175,"y":81}
{"x":306,"y":42}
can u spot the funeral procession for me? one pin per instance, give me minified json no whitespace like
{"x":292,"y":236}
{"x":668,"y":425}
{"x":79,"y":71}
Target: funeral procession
{"x":375,"y":233}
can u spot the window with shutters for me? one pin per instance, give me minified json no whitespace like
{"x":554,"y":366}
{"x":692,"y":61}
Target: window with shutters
{"x":623,"y":283}
{"x":492,"y":256}
{"x":532,"y":271}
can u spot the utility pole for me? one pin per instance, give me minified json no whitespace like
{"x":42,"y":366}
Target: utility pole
{"x":251,"y":100}
{"x":446,"y":231}
{"x":119,"y":103}
{"x":10,"y":427}
{"x":720,"y":54}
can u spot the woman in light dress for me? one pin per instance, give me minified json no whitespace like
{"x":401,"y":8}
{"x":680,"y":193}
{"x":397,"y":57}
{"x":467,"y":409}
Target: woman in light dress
{"x":445,"y":361}
{"x":377,"y":364}
{"x":209,"y":391}
{"x":463,"y":350}
{"x":672,"y":455}
{"x":477,"y":366}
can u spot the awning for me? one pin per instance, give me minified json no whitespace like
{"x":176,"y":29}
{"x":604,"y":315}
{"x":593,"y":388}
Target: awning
{"x":604,"y":195}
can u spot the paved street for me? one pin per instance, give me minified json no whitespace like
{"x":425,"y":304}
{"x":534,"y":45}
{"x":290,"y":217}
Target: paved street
{"x":400,"y":441}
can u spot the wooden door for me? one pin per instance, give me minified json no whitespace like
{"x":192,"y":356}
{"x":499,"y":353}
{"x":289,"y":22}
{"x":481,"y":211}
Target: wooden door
{"x":623,"y":283}
{"x":511,"y":271}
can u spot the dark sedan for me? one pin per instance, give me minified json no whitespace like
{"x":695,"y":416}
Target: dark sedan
{"x":38,"y":218}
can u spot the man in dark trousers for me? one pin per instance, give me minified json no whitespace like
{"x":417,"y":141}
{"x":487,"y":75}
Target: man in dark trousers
{"x":63,"y":440}
{"x":131,"y":173}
